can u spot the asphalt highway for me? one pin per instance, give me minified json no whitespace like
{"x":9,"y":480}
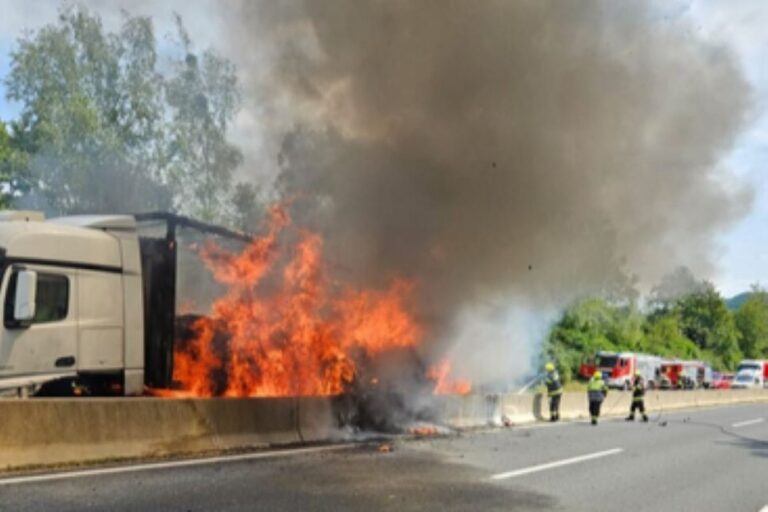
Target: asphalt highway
{"x":706,"y":460}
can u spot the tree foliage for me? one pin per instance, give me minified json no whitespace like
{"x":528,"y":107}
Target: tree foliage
{"x":706,"y":320}
{"x":752,"y":322}
{"x":91,"y":114}
{"x":13,"y":161}
{"x":664,"y":336}
{"x":203,"y":99}
{"x":687,"y":319}
{"x":105,"y":130}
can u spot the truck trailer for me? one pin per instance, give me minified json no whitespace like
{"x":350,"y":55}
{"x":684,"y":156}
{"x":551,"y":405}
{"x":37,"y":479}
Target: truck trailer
{"x":90,"y":301}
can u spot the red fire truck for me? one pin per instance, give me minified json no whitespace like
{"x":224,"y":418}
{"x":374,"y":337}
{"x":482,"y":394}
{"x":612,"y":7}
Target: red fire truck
{"x":678,"y":374}
{"x":619,"y":368}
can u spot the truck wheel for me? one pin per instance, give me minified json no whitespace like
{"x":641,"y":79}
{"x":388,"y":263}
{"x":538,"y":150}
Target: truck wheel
{"x":626,"y":385}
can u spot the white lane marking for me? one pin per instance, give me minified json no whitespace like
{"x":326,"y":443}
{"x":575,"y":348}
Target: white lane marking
{"x":747,"y":423}
{"x":764,"y":509}
{"x":171,"y":464}
{"x":550,"y":465}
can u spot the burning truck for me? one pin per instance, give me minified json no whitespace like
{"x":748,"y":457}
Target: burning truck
{"x":93,"y":306}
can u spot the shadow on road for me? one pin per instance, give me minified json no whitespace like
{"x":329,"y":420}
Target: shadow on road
{"x":759,"y":447}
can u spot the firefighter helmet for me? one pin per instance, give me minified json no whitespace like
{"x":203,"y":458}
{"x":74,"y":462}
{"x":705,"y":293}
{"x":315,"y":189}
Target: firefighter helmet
{"x":598,"y":374}
{"x":550,"y":367}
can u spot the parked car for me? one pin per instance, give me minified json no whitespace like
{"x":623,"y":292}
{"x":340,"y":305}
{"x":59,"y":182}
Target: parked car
{"x":747,"y":379}
{"x":757,"y":368}
{"x":722,"y":381}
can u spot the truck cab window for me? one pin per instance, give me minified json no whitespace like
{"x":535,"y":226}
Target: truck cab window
{"x":51,"y":301}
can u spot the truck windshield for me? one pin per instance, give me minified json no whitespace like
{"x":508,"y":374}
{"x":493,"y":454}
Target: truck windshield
{"x":607,"y":361}
{"x":748,"y":366}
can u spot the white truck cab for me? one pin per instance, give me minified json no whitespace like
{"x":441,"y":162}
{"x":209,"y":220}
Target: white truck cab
{"x":72,"y":294}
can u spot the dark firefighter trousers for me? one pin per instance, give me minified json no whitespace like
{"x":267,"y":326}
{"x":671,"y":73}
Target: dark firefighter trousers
{"x":554,"y":406}
{"x":637,"y":405}
{"x":594,"y":408}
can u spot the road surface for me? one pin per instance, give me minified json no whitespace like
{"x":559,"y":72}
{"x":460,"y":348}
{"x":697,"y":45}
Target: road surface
{"x":707,"y":460}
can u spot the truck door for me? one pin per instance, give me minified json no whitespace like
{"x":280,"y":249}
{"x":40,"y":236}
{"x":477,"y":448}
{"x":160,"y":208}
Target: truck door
{"x":100,"y":321}
{"x":48,"y":343}
{"x":625,"y":372}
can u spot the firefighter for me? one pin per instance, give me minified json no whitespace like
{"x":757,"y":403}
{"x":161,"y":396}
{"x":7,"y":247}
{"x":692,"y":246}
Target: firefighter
{"x":638,"y":398}
{"x":596,"y":393}
{"x":554,"y":390}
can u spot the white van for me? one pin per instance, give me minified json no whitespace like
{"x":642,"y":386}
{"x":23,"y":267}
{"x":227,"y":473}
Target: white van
{"x":748,"y":379}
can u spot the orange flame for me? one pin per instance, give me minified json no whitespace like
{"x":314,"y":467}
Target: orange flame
{"x":288,"y":331}
{"x":444,"y":383}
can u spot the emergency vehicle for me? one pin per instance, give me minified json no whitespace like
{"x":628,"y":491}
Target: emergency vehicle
{"x":619,"y":368}
{"x":751,"y":373}
{"x":680,"y":374}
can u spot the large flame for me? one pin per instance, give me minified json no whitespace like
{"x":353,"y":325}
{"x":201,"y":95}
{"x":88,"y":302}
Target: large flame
{"x":445,"y":384}
{"x":288,"y":330}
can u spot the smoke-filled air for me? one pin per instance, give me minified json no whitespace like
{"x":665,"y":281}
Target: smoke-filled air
{"x":429,"y":184}
{"x":505,"y":157}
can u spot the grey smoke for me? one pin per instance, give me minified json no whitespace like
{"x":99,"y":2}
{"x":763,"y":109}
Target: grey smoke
{"x":498,"y":152}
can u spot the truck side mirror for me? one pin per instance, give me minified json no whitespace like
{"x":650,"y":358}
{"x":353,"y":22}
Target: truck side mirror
{"x":26,"y":290}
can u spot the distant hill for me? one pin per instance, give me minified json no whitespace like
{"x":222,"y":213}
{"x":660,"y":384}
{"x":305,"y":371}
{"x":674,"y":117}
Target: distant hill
{"x":736,"y":301}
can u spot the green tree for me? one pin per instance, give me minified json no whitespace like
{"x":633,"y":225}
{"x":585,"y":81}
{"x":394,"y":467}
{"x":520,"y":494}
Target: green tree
{"x":752,"y":322}
{"x":691,"y":326}
{"x":664,"y":336}
{"x":106,"y":131}
{"x":203,"y":97}
{"x":707,"y":322}
{"x":13,"y":161}
{"x":590,"y":325}
{"x":91,"y":114}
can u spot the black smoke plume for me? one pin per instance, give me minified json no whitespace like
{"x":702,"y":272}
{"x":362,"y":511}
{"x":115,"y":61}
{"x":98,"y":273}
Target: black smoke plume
{"x":497,"y":149}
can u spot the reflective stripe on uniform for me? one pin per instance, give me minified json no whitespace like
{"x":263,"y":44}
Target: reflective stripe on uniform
{"x":596,"y":390}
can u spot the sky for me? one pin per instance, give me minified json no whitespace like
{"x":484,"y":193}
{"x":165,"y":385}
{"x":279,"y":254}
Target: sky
{"x":740,"y":24}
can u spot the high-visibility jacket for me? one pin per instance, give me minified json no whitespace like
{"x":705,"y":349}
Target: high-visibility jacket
{"x":596,"y":390}
{"x":554,"y":387}
{"x":638,"y":390}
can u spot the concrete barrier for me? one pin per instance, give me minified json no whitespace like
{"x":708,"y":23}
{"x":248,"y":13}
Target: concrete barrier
{"x":523,"y":408}
{"x":529,"y":407}
{"x":318,"y":419}
{"x":61,"y":431}
{"x":468,"y":411}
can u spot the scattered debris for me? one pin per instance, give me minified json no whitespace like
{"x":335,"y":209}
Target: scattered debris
{"x":423,"y":430}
